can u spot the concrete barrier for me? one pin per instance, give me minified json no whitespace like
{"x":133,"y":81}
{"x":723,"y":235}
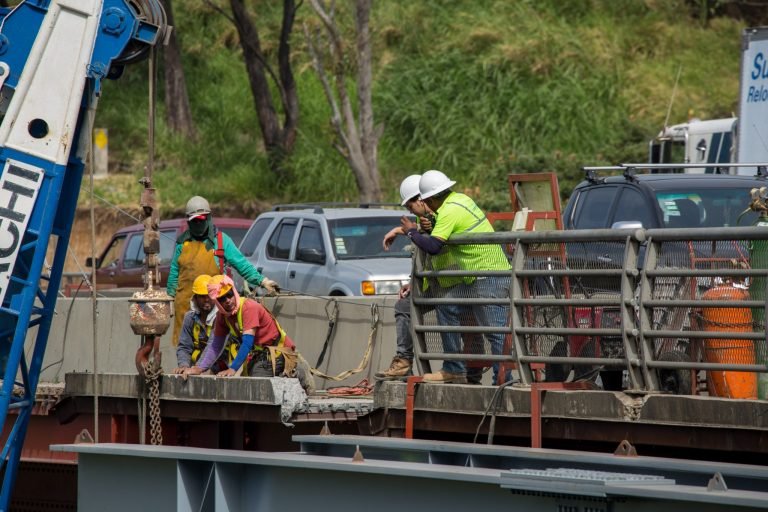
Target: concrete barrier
{"x":71,"y":348}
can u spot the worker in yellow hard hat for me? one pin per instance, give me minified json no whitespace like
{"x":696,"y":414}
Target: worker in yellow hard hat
{"x":196,"y":328}
{"x":203,"y":249}
{"x":257,"y":335}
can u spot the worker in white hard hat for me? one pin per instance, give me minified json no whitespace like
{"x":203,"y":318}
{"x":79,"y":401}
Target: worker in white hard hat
{"x":202,"y":249}
{"x":402,"y":364}
{"x":457,"y":213}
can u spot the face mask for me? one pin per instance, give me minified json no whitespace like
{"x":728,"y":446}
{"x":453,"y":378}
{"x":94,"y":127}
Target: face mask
{"x":199,"y":229}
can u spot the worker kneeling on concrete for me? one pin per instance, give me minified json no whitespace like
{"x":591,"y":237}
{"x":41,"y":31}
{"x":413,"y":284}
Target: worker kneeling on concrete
{"x":261,"y":343}
{"x":196,"y":329}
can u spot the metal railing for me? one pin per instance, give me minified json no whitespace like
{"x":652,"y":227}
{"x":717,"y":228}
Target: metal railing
{"x":650,"y":310}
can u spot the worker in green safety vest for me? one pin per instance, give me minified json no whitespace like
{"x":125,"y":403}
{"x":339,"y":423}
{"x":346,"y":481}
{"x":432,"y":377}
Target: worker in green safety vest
{"x":457,"y":213}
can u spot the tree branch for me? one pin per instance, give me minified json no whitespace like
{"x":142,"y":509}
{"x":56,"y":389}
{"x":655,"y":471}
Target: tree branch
{"x":220,"y":10}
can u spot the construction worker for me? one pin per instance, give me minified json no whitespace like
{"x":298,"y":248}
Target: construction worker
{"x":202,"y":249}
{"x":252,"y":330}
{"x":196,"y":328}
{"x":457,"y":214}
{"x":402,"y":364}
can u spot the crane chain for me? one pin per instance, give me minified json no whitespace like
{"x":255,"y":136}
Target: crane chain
{"x":153,"y":390}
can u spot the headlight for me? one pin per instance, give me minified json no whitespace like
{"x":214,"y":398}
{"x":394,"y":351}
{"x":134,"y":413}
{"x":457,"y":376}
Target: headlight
{"x":391,"y":287}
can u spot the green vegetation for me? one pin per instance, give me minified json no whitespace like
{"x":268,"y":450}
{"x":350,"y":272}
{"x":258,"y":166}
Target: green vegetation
{"x":475,"y":88}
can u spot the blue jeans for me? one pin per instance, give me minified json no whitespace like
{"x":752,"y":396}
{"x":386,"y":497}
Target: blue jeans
{"x":486,"y":316}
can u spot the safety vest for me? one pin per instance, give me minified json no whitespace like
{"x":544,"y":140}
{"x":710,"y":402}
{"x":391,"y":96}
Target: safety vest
{"x":236,"y":340}
{"x":198,"y":345}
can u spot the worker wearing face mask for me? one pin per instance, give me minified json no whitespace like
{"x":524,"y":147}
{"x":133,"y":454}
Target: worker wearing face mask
{"x":202,"y":249}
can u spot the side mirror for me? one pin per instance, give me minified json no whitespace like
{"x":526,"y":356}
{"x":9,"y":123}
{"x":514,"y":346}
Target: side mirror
{"x":312,"y":255}
{"x":89,"y":262}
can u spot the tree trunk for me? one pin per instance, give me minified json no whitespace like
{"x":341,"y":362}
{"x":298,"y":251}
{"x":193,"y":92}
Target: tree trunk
{"x":278,"y":141}
{"x":357,"y":139}
{"x":178,"y":114}
{"x":368,"y":136}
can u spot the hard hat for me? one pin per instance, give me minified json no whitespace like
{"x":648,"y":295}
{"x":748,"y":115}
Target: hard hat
{"x":409,"y":188}
{"x":197,"y":206}
{"x":433,"y":182}
{"x":200,"y":284}
{"x":221,"y":282}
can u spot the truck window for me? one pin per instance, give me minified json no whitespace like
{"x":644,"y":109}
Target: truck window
{"x":134,"y":251}
{"x":279,"y":245}
{"x":167,"y":246}
{"x":254,"y":236}
{"x":236,"y":234}
{"x":310,"y":237}
{"x":593,"y":208}
{"x":113,"y":253}
{"x":632,"y":207}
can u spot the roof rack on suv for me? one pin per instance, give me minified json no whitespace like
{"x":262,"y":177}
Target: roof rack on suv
{"x":318,"y":207}
{"x":629,"y":170}
{"x":590,"y":173}
{"x":719,"y":168}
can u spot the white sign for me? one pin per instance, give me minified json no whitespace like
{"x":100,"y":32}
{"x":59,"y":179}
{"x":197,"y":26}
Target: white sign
{"x":19,"y":185}
{"x":753,"y":109}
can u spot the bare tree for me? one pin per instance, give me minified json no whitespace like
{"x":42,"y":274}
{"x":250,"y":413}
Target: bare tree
{"x":279,"y":139}
{"x":178,"y":114}
{"x":356,"y":138}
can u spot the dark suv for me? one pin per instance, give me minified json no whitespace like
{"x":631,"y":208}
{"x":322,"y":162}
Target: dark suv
{"x":661,"y":201}
{"x":670,"y":200}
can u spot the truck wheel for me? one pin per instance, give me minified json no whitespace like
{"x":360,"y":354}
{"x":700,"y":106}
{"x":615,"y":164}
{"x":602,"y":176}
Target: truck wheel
{"x":675,"y":380}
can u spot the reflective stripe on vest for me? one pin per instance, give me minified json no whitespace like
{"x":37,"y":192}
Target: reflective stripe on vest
{"x":478,"y":220}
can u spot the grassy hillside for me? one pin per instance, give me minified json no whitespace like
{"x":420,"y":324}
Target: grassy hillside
{"x":476,"y":88}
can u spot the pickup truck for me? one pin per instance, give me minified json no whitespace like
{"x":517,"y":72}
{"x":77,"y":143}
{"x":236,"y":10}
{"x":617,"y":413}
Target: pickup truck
{"x":121,"y":264}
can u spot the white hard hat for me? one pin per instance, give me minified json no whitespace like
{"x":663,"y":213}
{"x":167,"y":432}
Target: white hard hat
{"x":434,"y":182}
{"x":197,"y":206}
{"x":409,"y":188}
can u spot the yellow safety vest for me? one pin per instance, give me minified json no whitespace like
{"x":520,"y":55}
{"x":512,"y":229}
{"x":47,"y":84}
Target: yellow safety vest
{"x":197,"y":345}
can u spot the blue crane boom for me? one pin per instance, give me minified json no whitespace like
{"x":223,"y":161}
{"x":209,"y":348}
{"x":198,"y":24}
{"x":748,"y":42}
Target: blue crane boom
{"x":53,"y":56}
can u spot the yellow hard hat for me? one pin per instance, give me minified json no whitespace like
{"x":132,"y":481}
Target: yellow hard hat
{"x":221,"y":281}
{"x":200,"y":284}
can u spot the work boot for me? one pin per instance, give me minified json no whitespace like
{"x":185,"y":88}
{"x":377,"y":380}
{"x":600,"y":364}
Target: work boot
{"x":475,"y":376}
{"x":443,"y":377}
{"x":399,"y":368}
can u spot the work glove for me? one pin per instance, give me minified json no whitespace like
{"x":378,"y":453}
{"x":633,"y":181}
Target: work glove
{"x":271,"y":286}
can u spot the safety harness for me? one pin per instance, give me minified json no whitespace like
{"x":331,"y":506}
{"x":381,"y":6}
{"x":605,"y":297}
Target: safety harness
{"x":198,"y":343}
{"x":275,"y":350}
{"x":219,"y":253}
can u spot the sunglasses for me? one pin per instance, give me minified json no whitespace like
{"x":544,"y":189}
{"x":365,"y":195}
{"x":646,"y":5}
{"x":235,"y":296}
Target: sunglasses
{"x":227,"y":296}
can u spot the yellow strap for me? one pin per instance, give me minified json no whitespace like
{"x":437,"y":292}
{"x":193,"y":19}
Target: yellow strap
{"x":366,"y":356}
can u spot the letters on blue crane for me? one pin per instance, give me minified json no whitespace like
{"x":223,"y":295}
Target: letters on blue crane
{"x":19,"y":185}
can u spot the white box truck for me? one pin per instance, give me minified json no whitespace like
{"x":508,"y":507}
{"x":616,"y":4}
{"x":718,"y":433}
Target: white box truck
{"x":742,"y":139}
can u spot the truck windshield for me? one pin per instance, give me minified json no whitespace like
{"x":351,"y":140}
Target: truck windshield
{"x":361,"y":238}
{"x":705,"y":208}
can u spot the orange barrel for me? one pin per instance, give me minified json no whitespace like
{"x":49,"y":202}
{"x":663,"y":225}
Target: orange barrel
{"x":729,"y":351}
